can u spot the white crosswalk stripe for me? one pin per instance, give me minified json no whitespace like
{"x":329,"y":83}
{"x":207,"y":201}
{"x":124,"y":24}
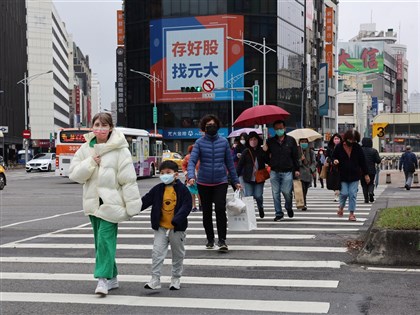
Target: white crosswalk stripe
{"x":292,"y":244}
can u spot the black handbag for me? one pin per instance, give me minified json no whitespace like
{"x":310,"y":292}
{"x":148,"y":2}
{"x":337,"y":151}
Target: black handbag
{"x":333,"y":178}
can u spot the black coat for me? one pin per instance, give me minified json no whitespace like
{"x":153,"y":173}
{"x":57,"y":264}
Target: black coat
{"x":183,"y":205}
{"x":371,"y":155}
{"x":283,"y":157}
{"x":351,"y":168}
{"x":245,"y":166}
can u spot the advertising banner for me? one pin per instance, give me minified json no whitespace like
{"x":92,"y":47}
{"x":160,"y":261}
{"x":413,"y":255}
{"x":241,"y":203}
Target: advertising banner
{"x":323,"y":89}
{"x":194,"y":59}
{"x":329,"y":29}
{"x":399,"y":67}
{"x":120,"y":87}
{"x":189,"y":133}
{"x":360,"y":57}
{"x":120,"y":28}
{"x":329,"y":58}
{"x":309,"y":14}
{"x":374,"y":106}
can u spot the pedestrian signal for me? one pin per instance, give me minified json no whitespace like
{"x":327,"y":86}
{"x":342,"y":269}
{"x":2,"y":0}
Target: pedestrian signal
{"x":191,"y":89}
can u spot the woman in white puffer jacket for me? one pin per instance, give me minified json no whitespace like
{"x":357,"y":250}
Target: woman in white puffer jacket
{"x":110,"y":193}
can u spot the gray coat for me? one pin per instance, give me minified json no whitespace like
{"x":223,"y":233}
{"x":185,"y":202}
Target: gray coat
{"x":308,"y":166}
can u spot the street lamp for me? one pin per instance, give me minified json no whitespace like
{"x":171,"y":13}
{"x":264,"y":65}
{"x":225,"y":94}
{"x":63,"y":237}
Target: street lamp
{"x":263,"y":49}
{"x":25,"y":81}
{"x":153,"y":79}
{"x":315,"y":83}
{"x":232,"y":81}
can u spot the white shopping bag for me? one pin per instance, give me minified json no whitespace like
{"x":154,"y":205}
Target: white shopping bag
{"x":247,"y":220}
{"x":235,"y":205}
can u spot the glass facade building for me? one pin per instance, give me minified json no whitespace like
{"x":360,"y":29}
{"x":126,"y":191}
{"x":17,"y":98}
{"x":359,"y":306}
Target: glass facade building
{"x":281,"y":23}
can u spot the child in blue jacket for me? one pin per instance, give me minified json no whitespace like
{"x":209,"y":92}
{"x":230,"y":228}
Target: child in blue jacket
{"x":171,"y":204}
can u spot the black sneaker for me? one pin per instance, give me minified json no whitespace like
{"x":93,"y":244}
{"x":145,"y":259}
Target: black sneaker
{"x":304,"y":208}
{"x":222,"y":246}
{"x":210,"y":245}
{"x":261,"y":211}
{"x":290,"y":213}
{"x":371,"y":199}
{"x":278,"y":217}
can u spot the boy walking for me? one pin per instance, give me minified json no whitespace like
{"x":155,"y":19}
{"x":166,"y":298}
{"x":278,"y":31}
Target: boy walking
{"x":171,"y":204}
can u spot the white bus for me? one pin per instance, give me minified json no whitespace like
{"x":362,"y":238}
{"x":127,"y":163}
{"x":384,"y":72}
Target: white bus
{"x":145,"y":148}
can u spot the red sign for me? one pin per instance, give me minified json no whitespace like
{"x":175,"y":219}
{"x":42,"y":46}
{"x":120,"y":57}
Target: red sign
{"x":208,"y":85}
{"x":329,"y":19}
{"x":77,"y":100}
{"x":329,"y":58}
{"x":120,"y":28}
{"x":399,"y":67}
{"x":26,"y":134}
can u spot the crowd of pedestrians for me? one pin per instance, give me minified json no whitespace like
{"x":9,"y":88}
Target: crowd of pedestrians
{"x":110,"y":194}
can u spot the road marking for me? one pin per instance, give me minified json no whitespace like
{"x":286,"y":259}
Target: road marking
{"x":194,"y":262}
{"x":40,"y":219}
{"x":187,"y":247}
{"x":259,"y":229}
{"x":283,"y":222}
{"x":167,"y":279}
{"x":195,"y":236}
{"x":192,"y":303}
{"x":392,"y":269}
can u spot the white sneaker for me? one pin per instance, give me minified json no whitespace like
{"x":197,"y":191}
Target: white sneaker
{"x":153,"y":284}
{"x":113,"y":284}
{"x":336,"y":199}
{"x":175,"y":284}
{"x":102,"y":287}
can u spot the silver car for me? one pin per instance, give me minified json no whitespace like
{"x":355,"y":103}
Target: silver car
{"x":42,"y":162}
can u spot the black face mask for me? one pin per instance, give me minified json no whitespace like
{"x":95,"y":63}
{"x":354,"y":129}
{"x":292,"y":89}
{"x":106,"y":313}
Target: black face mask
{"x":211,"y":130}
{"x":349,"y":143}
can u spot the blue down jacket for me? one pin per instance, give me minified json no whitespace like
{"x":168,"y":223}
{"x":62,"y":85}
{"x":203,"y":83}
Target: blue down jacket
{"x":215,"y":158}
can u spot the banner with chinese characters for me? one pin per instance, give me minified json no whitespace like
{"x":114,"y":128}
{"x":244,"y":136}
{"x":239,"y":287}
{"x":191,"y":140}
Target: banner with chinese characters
{"x":120,"y":28}
{"x":361,"y":57}
{"x":194,"y":59}
{"x":323,"y":89}
{"x":329,"y":29}
{"x":120,"y":87}
{"x":329,"y":58}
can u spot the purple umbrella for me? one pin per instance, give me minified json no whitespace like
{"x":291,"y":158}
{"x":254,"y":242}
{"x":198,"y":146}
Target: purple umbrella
{"x":237,"y":133}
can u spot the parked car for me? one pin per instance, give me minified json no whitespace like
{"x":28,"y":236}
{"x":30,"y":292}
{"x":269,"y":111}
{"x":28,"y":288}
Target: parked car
{"x":173,"y":156}
{"x":2,"y":177}
{"x":42,"y":162}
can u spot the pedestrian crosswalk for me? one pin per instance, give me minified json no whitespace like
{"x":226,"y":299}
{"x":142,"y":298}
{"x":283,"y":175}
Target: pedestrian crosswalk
{"x":291,"y":266}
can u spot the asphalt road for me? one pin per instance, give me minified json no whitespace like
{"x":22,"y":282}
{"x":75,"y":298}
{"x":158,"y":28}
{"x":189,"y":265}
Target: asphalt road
{"x":296,"y":266}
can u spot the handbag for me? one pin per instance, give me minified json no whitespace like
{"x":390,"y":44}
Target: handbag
{"x":260,"y":175}
{"x":246,"y":220}
{"x":297,"y":189}
{"x":324,"y":171}
{"x":333,"y":178}
{"x":236,"y":204}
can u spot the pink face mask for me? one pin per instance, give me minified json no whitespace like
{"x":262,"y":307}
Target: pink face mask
{"x":100,"y":131}
{"x":336,"y":141}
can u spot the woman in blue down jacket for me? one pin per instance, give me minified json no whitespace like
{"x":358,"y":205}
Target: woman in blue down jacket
{"x":215,"y":158}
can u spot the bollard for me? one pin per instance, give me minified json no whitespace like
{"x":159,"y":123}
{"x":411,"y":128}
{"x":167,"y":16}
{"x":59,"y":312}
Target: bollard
{"x":416,"y":178}
{"x":388,"y":178}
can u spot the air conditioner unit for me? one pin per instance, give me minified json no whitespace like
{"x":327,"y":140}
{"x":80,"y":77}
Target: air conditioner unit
{"x":318,"y":35}
{"x":314,"y":51}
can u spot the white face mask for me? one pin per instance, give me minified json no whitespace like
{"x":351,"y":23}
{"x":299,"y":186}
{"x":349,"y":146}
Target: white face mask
{"x":243,"y":142}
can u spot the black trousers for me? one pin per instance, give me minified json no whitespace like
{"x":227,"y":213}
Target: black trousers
{"x":216,"y":195}
{"x":305,"y":187}
{"x":368,"y":188}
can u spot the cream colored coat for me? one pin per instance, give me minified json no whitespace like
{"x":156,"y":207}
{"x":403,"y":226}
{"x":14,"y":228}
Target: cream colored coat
{"x":114,"y":180}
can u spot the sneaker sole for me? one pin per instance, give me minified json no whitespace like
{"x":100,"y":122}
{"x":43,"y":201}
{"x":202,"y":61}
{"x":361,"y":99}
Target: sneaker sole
{"x":102,"y":293}
{"x":174,"y":288}
{"x":223,"y":249}
{"x":146,"y":286}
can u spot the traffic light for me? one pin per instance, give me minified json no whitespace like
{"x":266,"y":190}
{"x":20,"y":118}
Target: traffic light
{"x":191,"y":89}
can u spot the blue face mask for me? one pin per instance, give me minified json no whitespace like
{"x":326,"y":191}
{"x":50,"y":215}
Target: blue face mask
{"x":167,"y":178}
{"x":280,"y":132}
{"x":304,"y":145}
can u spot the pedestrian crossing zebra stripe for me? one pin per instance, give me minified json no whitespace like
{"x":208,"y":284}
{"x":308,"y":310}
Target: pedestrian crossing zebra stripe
{"x":187,"y":247}
{"x":334,"y":264}
{"x":171,"y":302}
{"x":295,"y":283}
{"x":296,"y":218}
{"x":283,"y":222}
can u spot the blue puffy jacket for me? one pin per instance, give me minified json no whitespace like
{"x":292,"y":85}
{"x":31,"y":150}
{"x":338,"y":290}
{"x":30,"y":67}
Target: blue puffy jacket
{"x":215,"y":158}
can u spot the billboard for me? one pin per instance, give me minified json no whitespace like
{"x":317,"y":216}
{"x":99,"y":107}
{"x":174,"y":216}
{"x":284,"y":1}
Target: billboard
{"x":361,"y":57}
{"x":120,"y":28}
{"x":323,"y":89}
{"x":194,"y":59}
{"x":329,"y":30}
{"x":329,"y":58}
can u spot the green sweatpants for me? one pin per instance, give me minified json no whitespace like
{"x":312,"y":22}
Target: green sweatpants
{"x":105,"y":234}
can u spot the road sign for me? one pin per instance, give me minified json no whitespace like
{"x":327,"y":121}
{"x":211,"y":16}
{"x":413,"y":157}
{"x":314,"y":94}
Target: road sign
{"x":4,"y":129}
{"x":155,"y":115}
{"x":208,"y":85}
{"x":26,"y":134}
{"x":208,"y":95}
{"x":378,"y":129}
{"x":255,"y":95}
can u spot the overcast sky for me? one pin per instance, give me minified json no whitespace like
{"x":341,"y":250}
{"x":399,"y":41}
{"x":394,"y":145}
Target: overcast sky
{"x":93,"y":26}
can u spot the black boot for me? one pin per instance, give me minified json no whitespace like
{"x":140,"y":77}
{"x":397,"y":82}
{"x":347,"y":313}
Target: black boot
{"x":261,"y":211}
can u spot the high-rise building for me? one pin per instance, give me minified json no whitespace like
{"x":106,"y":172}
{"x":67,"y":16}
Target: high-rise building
{"x":96,"y":95}
{"x":414,"y":102}
{"x":13,"y":62}
{"x":48,"y":68}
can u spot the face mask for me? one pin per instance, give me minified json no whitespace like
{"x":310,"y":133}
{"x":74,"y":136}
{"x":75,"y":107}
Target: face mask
{"x":253,"y":143}
{"x":321,"y":153}
{"x":336,"y":141}
{"x":243,"y":142}
{"x":349,"y":143}
{"x":211,"y":130}
{"x":304,"y":145}
{"x":167,"y":178}
{"x":280,"y":132}
{"x":100,"y":131}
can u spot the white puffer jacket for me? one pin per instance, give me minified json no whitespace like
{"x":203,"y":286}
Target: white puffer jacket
{"x":114,"y":180}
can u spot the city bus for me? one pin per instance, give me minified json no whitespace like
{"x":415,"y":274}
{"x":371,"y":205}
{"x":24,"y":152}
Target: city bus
{"x":146,"y":149}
